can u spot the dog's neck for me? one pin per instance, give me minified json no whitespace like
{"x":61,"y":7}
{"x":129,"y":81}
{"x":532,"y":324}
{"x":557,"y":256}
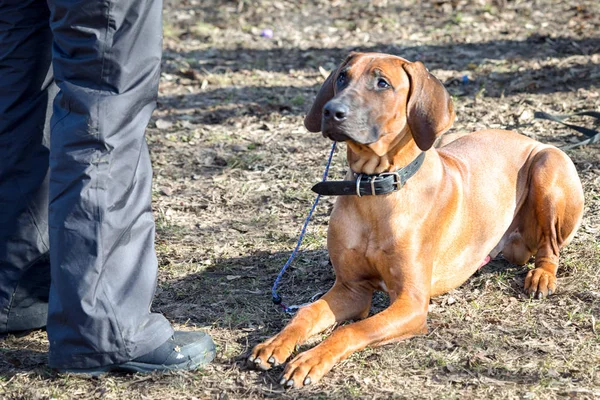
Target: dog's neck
{"x":363,"y":160}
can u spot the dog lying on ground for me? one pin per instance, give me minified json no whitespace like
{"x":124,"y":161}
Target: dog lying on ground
{"x":414,"y":220}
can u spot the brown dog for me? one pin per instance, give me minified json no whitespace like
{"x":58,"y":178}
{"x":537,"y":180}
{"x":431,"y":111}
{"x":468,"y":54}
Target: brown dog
{"x":484,"y":193}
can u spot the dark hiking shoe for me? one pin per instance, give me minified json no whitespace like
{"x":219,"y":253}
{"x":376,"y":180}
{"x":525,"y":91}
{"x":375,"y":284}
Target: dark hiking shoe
{"x":183,"y":351}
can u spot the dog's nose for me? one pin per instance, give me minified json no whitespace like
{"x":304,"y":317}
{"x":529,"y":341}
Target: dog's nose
{"x":336,"y":111}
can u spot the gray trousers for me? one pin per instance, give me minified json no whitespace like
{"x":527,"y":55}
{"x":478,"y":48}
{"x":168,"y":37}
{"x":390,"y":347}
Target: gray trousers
{"x":78,"y":83}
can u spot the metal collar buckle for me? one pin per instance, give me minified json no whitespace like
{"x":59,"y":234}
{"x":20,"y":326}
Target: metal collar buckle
{"x":397,"y":179}
{"x":372,"y":182}
{"x":358,"y":185}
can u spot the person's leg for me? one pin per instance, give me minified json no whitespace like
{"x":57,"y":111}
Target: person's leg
{"x":106,"y":58}
{"x":26,"y":93}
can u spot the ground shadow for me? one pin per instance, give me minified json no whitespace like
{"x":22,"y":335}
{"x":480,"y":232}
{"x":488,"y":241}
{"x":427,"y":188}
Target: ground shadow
{"x":450,"y":56}
{"x":217,"y":106}
{"x":235,"y":293}
{"x":23,"y":354}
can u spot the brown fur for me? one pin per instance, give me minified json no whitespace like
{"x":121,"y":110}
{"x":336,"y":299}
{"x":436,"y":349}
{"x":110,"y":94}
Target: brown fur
{"x":476,"y":195}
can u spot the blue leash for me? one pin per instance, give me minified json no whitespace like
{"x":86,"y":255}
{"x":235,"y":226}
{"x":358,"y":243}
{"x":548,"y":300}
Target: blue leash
{"x":276,"y":297}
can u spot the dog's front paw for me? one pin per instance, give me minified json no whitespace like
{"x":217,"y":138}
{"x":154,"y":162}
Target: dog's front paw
{"x":307,"y":368}
{"x":540,"y":283}
{"x":271,"y":353}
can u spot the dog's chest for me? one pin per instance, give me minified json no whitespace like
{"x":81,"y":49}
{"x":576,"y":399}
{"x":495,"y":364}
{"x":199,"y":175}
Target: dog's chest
{"x":375,"y":230}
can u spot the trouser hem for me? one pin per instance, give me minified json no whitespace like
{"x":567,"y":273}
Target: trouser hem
{"x":25,"y":322}
{"x":93,"y":360}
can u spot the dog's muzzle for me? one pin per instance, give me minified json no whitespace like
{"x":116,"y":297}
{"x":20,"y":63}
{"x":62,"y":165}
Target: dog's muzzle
{"x":335,"y":114}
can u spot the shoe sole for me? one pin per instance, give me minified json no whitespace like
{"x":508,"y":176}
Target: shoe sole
{"x":144,"y":368}
{"x":20,"y":334}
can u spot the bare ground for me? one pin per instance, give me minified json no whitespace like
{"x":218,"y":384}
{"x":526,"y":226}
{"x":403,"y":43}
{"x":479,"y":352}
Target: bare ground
{"x":233,"y":167}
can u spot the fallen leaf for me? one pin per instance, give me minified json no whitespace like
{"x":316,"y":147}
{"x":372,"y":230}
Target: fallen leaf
{"x":324,"y":73}
{"x":163,"y":124}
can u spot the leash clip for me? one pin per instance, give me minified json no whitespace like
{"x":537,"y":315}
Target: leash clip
{"x":291,"y":310}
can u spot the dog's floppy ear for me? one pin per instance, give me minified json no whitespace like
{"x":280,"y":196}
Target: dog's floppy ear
{"x":429,"y":110}
{"x":312,"y":121}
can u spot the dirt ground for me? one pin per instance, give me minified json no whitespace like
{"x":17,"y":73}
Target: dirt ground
{"x":233,"y":170}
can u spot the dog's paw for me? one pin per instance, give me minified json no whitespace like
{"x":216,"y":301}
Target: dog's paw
{"x":271,"y":353}
{"x":540,"y":283}
{"x":306,"y":369}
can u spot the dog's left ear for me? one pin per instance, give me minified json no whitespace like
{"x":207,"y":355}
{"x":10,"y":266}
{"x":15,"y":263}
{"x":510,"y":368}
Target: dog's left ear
{"x":429,"y":110}
{"x":312,"y":121}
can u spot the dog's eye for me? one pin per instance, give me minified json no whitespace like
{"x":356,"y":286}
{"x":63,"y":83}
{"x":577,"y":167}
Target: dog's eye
{"x":382,"y":83}
{"x":342,"y":78}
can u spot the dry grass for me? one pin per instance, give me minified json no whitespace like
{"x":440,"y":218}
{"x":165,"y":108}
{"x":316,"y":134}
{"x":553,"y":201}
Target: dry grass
{"x":233,"y":167}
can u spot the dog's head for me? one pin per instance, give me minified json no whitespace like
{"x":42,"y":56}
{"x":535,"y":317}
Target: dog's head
{"x":375,"y":100}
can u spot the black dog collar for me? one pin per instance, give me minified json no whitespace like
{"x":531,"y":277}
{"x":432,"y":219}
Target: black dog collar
{"x":368,"y":185}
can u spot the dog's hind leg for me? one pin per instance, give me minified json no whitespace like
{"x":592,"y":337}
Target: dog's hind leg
{"x":339,"y":304}
{"x":516,"y":250}
{"x":555,"y":205}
